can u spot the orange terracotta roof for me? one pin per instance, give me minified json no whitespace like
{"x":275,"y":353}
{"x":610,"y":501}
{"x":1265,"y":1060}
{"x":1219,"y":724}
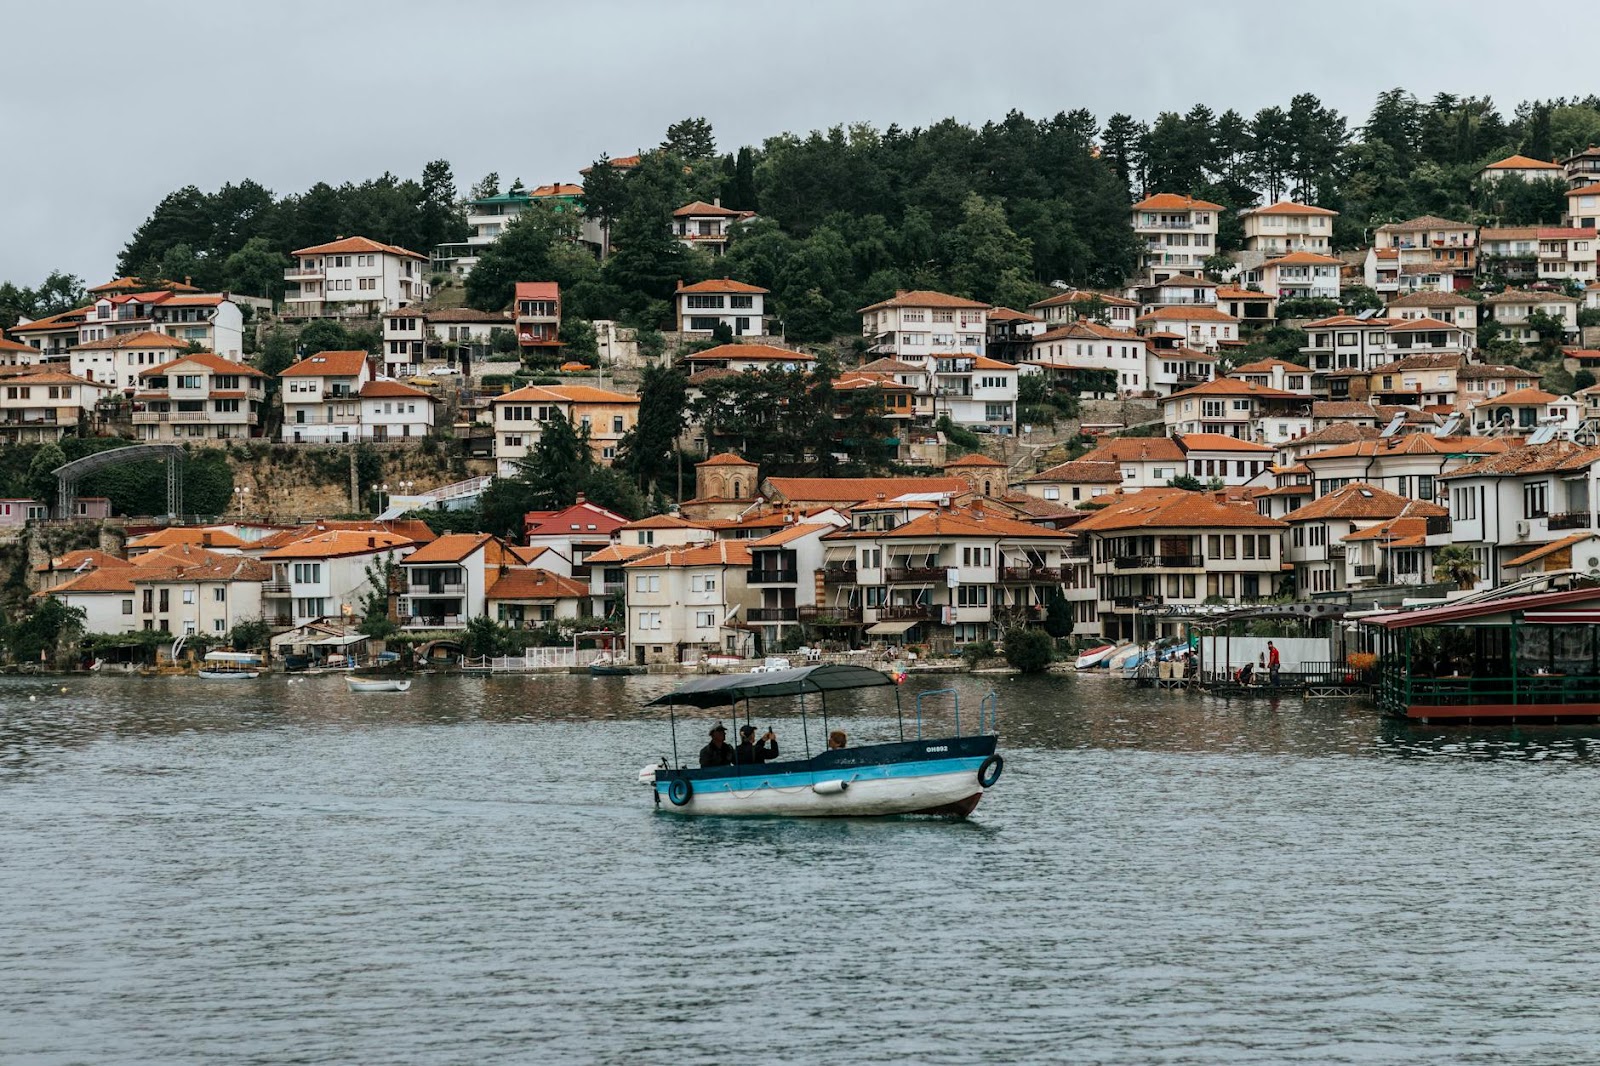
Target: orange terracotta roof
{"x":564,"y":394}
{"x":1264,"y":366}
{"x":1287,"y":207}
{"x":700,"y":208}
{"x":1359,"y":500}
{"x":14,"y":346}
{"x":974,"y":521}
{"x":1168,"y":201}
{"x":1546,"y":549}
{"x":1524,"y":397}
{"x":1522,"y":162}
{"x":210,"y":360}
{"x":385,"y":389}
{"x":536,"y":290}
{"x":861,"y":489}
{"x":1135,"y":449}
{"x":750,"y":353}
{"x":665,"y":521}
{"x":334,"y":543}
{"x":1228,"y":292}
{"x":714,"y":553}
{"x":1235,"y":387}
{"x":1175,"y":510}
{"x":1304,"y":259}
{"x":105,"y":579}
{"x":535,"y":584}
{"x":974,"y":459}
{"x":142,"y":339}
{"x":557,"y":189}
{"x":1186,"y":313}
{"x":36,"y":376}
{"x":1587,"y":190}
{"x":65,"y":320}
{"x":725,"y":459}
{"x":721,"y":285}
{"x":621,"y":553}
{"x":1091,"y":331}
{"x":1006,"y":314}
{"x":451,"y":548}
{"x":356,"y":244}
{"x":1081,"y":471}
{"x":88,"y":558}
{"x":328,"y":364}
{"x":1369,"y":444}
{"x":1083,"y":296}
{"x":1555,"y":457}
{"x":1403,"y":527}
{"x":789,"y":533}
{"x":926,"y":298}
{"x":1218,"y":442}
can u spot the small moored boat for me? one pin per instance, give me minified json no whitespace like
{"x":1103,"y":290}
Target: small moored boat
{"x":230,"y":666}
{"x":377,"y":684}
{"x":943,"y":776}
{"x":1094,"y":657}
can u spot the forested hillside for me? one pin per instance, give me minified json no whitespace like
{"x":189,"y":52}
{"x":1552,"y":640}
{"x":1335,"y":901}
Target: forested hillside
{"x":848,"y":215}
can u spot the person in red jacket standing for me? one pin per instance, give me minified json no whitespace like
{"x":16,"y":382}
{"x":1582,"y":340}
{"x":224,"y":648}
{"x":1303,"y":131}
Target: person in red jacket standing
{"x":1273,"y":662}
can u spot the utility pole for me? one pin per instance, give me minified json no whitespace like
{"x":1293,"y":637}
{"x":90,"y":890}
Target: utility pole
{"x":355,"y":485}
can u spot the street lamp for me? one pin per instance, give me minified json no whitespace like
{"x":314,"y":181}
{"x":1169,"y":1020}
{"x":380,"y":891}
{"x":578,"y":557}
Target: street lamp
{"x":241,"y":493}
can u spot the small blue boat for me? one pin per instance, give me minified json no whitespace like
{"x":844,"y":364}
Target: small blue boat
{"x":942,"y":776}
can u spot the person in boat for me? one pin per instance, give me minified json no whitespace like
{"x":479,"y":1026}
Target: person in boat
{"x":719,"y":752}
{"x":1247,"y":673}
{"x":753,"y":752}
{"x":836,"y":740}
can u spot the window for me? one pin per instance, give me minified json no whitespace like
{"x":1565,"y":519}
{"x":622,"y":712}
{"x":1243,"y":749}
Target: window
{"x":649,"y":619}
{"x":149,"y":599}
{"x":871,"y":558}
{"x":307,"y":573}
{"x":188,"y":595}
{"x":971,"y":556}
{"x":127,"y":606}
{"x":1535,"y":499}
{"x":705,"y":619}
{"x":647,"y":583}
{"x":219,"y":594}
{"x":164,"y":598}
{"x":702,"y":302}
{"x":1464,"y":505}
{"x":972,"y":596}
{"x":742,"y":302}
{"x":616,"y":424}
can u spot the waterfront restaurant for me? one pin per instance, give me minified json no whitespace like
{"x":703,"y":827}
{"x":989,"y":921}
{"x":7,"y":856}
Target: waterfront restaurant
{"x":1520,"y":656}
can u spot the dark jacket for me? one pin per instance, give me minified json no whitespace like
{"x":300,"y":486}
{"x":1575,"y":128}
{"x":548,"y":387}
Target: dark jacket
{"x":714,"y":754}
{"x":750,"y":753}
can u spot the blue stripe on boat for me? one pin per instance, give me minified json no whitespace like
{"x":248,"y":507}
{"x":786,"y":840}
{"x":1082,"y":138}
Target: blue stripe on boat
{"x":805,"y":778}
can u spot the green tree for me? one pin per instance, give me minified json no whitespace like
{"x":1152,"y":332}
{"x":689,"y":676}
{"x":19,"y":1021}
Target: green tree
{"x":690,"y":139}
{"x":256,"y":269}
{"x":253,"y":635}
{"x":1058,"y":615}
{"x":1583,"y":379}
{"x":579,"y":342}
{"x":1029,"y":650}
{"x":559,"y":463}
{"x":1455,"y":564}
{"x":42,"y":484}
{"x":489,"y":186}
{"x":45,"y":631}
{"x":646,"y":451}
{"x":524,"y":252}
{"x":374,"y":606}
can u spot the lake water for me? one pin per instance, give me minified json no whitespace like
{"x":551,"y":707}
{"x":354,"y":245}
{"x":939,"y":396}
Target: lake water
{"x":271,"y":872}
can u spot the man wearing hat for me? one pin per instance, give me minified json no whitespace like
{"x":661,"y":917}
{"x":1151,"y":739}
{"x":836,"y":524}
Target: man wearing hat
{"x":719,"y":752}
{"x":752,"y":752}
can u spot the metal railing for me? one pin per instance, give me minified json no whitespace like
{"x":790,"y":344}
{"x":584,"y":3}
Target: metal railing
{"x":442,"y":589}
{"x":1031,"y":573}
{"x":1366,"y":570}
{"x":1438,"y":525}
{"x":771,"y":577}
{"x":834,"y":575}
{"x":907,"y":612}
{"x":917,"y":573}
{"x":1568,"y":520}
{"x":823,"y":615}
{"x":1518,"y":690}
{"x":1150,"y":562}
{"x":772,"y":614}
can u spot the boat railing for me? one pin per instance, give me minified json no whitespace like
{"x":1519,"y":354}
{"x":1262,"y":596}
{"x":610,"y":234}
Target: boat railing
{"x":1517,"y":690}
{"x":988,"y":706}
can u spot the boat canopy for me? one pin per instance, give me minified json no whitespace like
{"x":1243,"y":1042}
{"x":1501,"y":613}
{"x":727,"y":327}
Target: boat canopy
{"x":241,"y":658}
{"x":727,"y":690}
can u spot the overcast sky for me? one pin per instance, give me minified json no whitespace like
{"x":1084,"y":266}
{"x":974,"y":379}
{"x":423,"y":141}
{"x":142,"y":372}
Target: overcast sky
{"x":104,"y":112}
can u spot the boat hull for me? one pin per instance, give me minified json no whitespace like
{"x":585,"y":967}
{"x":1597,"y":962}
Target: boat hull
{"x":1094,"y":657}
{"x":930,"y":777}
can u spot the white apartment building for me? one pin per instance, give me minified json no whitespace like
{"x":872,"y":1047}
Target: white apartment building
{"x":1220,"y":458}
{"x":1521,"y":166}
{"x":1315,"y":543}
{"x":782,"y":578}
{"x":1234,"y":408}
{"x":413,"y":338}
{"x":447,"y":581}
{"x":118,"y":361}
{"x":1178,"y":290}
{"x":1526,"y":410}
{"x":1275,"y":374}
{"x":391,"y":411}
{"x":320,"y":575}
{"x":1087,"y":346}
{"x":1408,"y":464}
{"x":1177,"y":548}
{"x":353,"y":276}
{"x":1510,"y":310}
{"x":197,"y":398}
{"x":1430,"y":252}
{"x":921,"y":325}
{"x":1176,"y":234}
{"x":1448,"y":307}
{"x":1583,"y":207}
{"x":707,"y":227}
{"x":520,"y":417}
{"x":1281,"y":228}
{"x":45,"y":405}
{"x":211,"y":320}
{"x":1107,"y":309}
{"x":1297,"y":275}
{"x":321,"y":398}
{"x":1201,"y":327}
{"x":686,"y":603}
{"x":705,"y":305}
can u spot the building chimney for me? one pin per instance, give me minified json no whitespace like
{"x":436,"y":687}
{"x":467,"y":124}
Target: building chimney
{"x":579,"y":500}
{"x":372,"y":542}
{"x":716,"y":201}
{"x":205,"y":538}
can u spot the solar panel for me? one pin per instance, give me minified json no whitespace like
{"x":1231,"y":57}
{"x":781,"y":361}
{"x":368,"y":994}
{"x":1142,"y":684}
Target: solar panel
{"x":1394,"y":425}
{"x":1450,"y":426}
{"x":1543,"y":435}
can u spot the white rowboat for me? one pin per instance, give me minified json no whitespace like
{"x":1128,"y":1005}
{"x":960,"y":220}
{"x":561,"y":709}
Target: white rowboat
{"x":380,"y":685}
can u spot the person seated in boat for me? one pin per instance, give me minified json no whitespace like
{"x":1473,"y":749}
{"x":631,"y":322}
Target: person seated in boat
{"x":1247,"y":673}
{"x":836,"y":740}
{"x":752,"y":752}
{"x":719,"y":752}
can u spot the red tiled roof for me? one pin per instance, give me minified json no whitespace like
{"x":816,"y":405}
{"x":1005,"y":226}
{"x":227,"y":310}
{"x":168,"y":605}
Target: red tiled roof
{"x":861,"y":489}
{"x":385,"y":389}
{"x":1186,"y":313}
{"x":537,"y":290}
{"x":1287,"y":207}
{"x":1218,"y":442}
{"x":142,"y":339}
{"x":749,"y":352}
{"x":450,"y":548}
{"x":1359,"y":500}
{"x":713,"y":553}
{"x":1546,"y":549}
{"x":211,"y":361}
{"x":1169,"y":201}
{"x":974,"y":459}
{"x":535,"y":584}
{"x":564,"y":394}
{"x":1304,"y":259}
{"x":726,"y":459}
{"x":1084,"y":471}
{"x":1135,"y":449}
{"x":1235,"y":387}
{"x":700,"y":208}
{"x":333,"y":543}
{"x":790,"y":532}
{"x":1083,"y":296}
{"x":721,"y":285}
{"x":926,"y":298}
{"x":1522,"y":162}
{"x":328,"y":364}
{"x":356,"y":244}
{"x":974,"y":521}
{"x":1175,"y":510}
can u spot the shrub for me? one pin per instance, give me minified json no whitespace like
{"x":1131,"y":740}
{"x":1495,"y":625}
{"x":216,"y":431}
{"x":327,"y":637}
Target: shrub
{"x":1029,"y":650}
{"x":977,"y":651}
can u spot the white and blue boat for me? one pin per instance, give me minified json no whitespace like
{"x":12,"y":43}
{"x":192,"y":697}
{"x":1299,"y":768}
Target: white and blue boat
{"x":940,"y":776}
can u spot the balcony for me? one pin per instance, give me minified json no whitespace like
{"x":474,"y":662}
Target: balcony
{"x":1077,"y":551}
{"x":772,"y":614}
{"x":1336,"y":551}
{"x":298,"y":273}
{"x":614,"y":588}
{"x":221,"y":418}
{"x":830,"y":616}
{"x":274,"y":588}
{"x":1156,"y":562}
{"x":839,"y":575}
{"x":443,"y":588}
{"x":1438,"y":525}
{"x":939,"y":574}
{"x":1567,"y":520}
{"x":1031,"y":573}
{"x":1366,"y":570}
{"x":771,"y":577}
{"x":908,"y":612}
{"x":1129,"y":602}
